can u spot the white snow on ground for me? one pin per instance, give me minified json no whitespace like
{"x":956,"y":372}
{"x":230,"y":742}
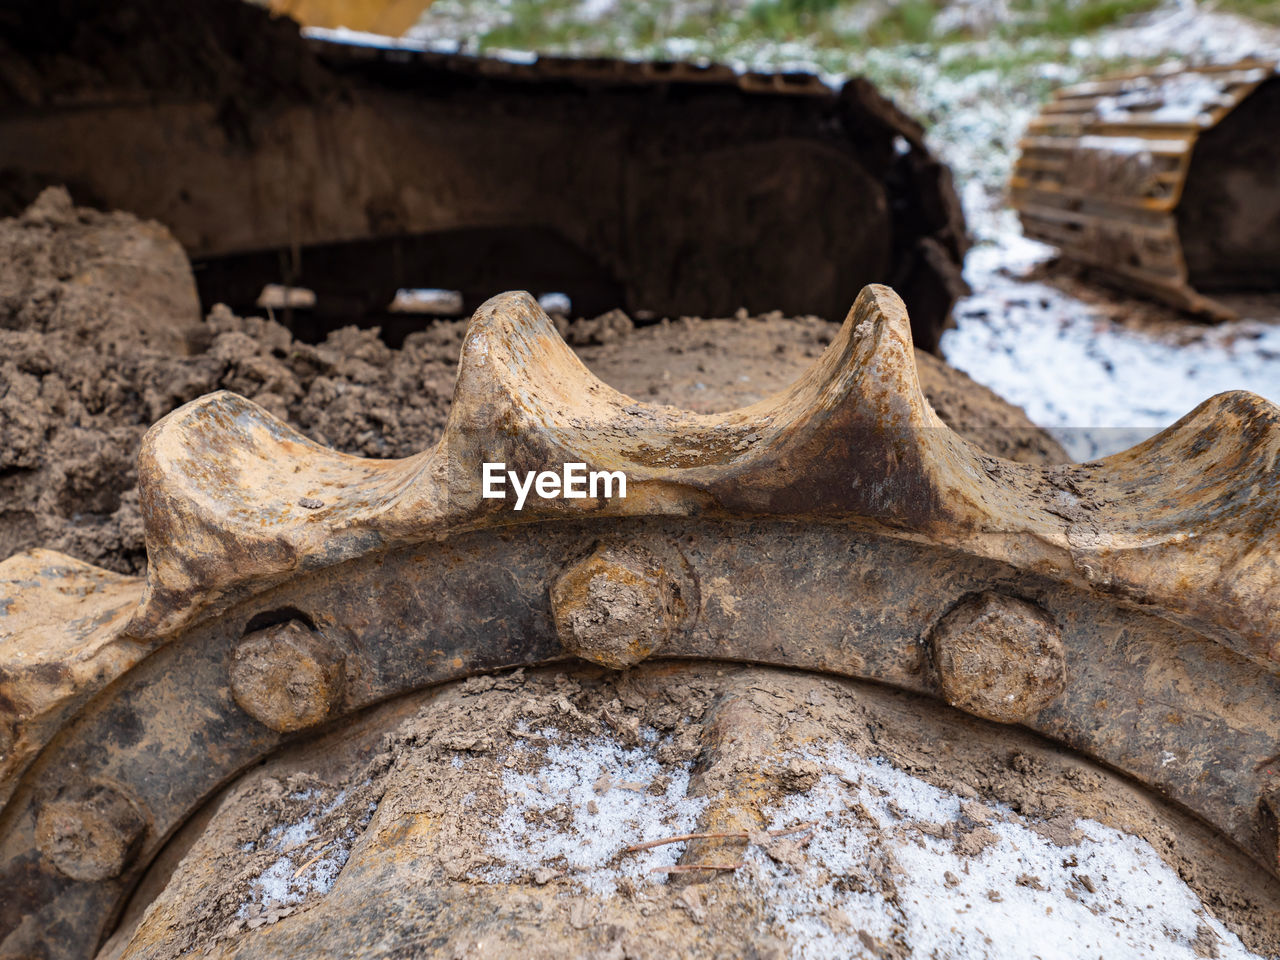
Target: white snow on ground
{"x":303,"y":867}
{"x":586,"y":803}
{"x":1184,"y":30}
{"x":1109,"y":894}
{"x":1099,"y":387}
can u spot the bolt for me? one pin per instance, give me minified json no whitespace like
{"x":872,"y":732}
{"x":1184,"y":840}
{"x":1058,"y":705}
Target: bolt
{"x":92,"y":834}
{"x":615,"y":607}
{"x":286,"y":676}
{"x":999,"y":657}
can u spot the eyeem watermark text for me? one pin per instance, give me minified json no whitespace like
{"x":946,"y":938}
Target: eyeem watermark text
{"x":573,"y":482}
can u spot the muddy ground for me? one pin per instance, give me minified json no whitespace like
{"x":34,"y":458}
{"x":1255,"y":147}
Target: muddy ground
{"x":101,"y":335}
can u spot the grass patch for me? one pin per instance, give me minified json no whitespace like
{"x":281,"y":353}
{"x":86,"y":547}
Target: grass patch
{"x":1268,"y":11}
{"x":831,"y":27}
{"x":909,"y":21}
{"x":1067,"y":18}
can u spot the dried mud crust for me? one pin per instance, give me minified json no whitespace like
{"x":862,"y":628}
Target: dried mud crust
{"x":489,"y":818}
{"x":100,"y":336}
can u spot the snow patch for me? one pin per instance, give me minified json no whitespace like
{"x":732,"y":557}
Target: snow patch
{"x":1185,"y":30}
{"x":883,"y":862}
{"x":1108,"y":894}
{"x":1177,"y":98}
{"x":1097,"y":386}
{"x":1130,"y":145}
{"x":586,"y":803}
{"x":304,"y":868}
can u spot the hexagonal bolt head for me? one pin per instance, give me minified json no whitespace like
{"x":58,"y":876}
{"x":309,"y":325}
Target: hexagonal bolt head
{"x":92,"y":834}
{"x":286,"y":676}
{"x":616,"y":606}
{"x":999,"y":657}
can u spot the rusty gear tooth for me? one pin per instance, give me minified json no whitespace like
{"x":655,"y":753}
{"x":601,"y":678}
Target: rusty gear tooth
{"x":227,"y":493}
{"x":1188,"y":523}
{"x":60,"y":643}
{"x":223,"y":483}
{"x":851,"y":436}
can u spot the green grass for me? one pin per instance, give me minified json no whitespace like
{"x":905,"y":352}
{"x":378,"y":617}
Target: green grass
{"x":1268,"y":11}
{"x":827,"y":27}
{"x":910,"y":21}
{"x":1067,"y":18}
{"x":552,"y":25}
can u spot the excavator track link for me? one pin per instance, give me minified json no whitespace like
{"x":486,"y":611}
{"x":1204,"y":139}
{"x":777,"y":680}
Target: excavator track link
{"x":1150,"y":180}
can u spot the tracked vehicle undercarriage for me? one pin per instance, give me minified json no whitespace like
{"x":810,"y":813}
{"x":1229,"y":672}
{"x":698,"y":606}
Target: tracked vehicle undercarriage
{"x":354,"y":171}
{"x":1162,"y":182}
{"x":1123,"y":608}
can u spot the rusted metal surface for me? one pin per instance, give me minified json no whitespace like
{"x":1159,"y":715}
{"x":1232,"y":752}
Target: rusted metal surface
{"x":1124,"y":608}
{"x":60,"y":642}
{"x":1105,"y":166}
{"x":586,"y":71}
{"x":999,"y":658}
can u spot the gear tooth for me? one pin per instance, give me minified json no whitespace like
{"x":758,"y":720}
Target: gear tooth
{"x":60,"y":620}
{"x":871,"y":359}
{"x":857,"y":418}
{"x":234,"y":499}
{"x":517,"y":373}
{"x":883,"y":360}
{"x":524,"y":398}
{"x":1192,"y":524}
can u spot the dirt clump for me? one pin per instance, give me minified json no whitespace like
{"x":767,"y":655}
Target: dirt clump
{"x":101,"y":335}
{"x":105,"y":280}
